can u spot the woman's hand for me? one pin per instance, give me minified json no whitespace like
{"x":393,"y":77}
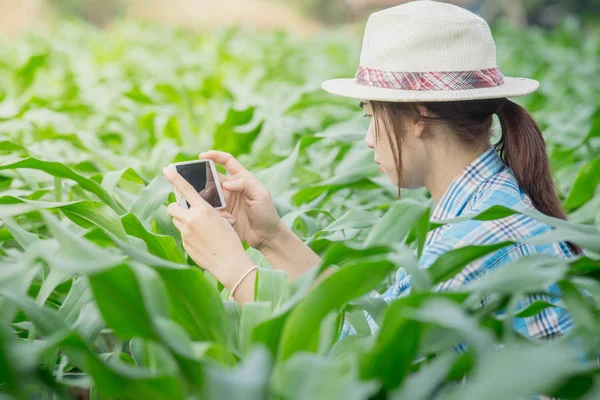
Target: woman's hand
{"x":249,"y":209}
{"x":255,"y":219}
{"x":207,"y":237}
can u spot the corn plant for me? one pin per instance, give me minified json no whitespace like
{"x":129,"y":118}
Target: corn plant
{"x":99,"y":300}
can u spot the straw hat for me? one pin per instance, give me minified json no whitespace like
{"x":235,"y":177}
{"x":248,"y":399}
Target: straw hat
{"x":428,"y":51}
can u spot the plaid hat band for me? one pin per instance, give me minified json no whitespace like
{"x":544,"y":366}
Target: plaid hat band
{"x":425,"y":81}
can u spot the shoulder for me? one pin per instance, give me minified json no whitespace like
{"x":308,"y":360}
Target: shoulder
{"x":500,"y":190}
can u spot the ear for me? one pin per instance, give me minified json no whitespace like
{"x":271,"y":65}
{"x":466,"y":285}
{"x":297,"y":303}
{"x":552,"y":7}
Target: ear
{"x":420,"y":123}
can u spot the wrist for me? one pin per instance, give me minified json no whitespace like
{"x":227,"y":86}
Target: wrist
{"x":234,"y":269}
{"x":276,"y":241}
{"x":287,"y":252}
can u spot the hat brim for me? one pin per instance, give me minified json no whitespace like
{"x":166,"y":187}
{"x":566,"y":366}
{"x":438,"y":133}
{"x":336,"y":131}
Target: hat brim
{"x":347,"y":87}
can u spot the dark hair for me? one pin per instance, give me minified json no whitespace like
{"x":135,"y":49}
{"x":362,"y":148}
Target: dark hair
{"x":521,"y":145}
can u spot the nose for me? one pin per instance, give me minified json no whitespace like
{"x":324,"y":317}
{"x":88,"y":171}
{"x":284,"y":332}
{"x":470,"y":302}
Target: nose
{"x":369,"y":139}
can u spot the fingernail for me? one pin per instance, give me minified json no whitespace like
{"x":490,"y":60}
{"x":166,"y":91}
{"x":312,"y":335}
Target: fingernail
{"x":168,"y":172}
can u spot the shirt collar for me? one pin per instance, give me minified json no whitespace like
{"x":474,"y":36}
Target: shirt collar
{"x":463,"y":186}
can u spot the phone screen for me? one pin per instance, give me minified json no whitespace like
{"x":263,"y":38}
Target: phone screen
{"x":200,"y":176}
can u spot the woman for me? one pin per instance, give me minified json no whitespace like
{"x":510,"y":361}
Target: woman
{"x":429,"y":83}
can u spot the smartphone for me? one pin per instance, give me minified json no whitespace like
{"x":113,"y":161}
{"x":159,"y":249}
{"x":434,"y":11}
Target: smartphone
{"x":202,"y":175}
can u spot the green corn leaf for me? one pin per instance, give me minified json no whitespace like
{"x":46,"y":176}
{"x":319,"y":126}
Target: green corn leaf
{"x":252,"y":314}
{"x":395,"y":225}
{"x":423,"y":384}
{"x":162,"y":246}
{"x":22,"y":237}
{"x":534,"y":308}
{"x":247,"y":380}
{"x":74,"y":253}
{"x":111,"y":179}
{"x":118,"y":295}
{"x":452,"y":262}
{"x":91,"y":212}
{"x":60,"y":170}
{"x":585,"y":184}
{"x":9,"y":374}
{"x":398,"y":341}
{"x":309,"y":376}
{"x":528,"y":274}
{"x":195,"y":304}
{"x":151,"y":198}
{"x":272,"y":286}
{"x":301,"y":330}
{"x":520,"y":367}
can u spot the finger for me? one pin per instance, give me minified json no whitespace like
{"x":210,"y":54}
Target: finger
{"x":176,"y":211}
{"x":251,"y":187}
{"x":223,"y":178}
{"x":187,"y":191}
{"x":180,"y":225}
{"x":227,"y":215}
{"x":230,"y":163}
{"x":237,"y":185}
{"x":229,"y":221}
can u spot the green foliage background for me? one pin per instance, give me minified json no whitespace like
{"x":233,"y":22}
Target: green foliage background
{"x":97,"y":293}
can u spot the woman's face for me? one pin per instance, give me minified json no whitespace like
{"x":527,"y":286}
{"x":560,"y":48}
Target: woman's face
{"x":413,"y":152}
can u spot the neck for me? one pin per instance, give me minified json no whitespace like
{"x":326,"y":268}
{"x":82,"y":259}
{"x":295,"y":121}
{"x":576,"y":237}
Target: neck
{"x":445,"y":165}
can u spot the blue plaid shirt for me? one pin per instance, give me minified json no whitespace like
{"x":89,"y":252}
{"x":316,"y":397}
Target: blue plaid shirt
{"x":487,"y":182}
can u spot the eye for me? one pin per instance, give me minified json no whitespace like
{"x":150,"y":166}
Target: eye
{"x":366,"y":116}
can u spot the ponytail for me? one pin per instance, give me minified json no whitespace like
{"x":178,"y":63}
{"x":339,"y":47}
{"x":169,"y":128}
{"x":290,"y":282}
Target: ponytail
{"x":523,"y":149}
